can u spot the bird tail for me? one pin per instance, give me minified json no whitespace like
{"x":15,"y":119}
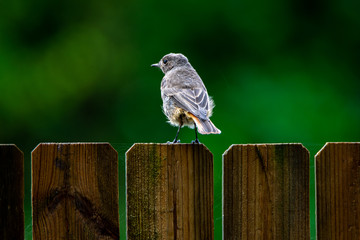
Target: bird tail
{"x":206,"y":126}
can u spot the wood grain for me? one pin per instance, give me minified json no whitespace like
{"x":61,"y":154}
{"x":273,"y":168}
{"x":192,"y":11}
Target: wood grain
{"x":266,"y":192}
{"x":338,"y":191}
{"x":169,"y":192}
{"x":11,"y":192}
{"x":75,"y":191}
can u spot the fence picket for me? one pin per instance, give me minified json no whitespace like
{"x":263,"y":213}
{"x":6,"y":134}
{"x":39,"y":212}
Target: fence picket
{"x":75,"y":191}
{"x":169,"y":192}
{"x":338,"y":191}
{"x":11,"y":192}
{"x":266,"y":192}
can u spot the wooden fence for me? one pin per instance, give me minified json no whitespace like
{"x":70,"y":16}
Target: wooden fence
{"x":170,"y":191}
{"x":266,"y":192}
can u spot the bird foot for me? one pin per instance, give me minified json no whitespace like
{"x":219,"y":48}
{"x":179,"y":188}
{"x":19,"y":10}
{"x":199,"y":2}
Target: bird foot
{"x":175,"y":141}
{"x":195,"y":141}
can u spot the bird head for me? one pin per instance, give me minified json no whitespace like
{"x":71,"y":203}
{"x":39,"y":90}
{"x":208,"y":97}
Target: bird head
{"x":170,"y":61}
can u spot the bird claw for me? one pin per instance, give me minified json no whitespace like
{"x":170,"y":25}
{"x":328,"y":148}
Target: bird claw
{"x":195,"y":141}
{"x":175,"y":141}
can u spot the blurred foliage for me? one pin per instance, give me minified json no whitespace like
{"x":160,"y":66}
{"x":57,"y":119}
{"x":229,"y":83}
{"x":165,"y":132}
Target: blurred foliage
{"x":279,"y":71}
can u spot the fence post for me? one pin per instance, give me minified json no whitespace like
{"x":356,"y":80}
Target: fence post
{"x":11,"y":192}
{"x":266,"y":192}
{"x":338,"y":191}
{"x":75,"y":191}
{"x":169,"y":192}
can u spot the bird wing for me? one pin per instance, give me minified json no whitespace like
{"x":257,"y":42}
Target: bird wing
{"x":193,"y":100}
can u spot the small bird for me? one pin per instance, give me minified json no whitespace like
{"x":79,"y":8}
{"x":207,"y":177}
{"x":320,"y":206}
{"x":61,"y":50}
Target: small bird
{"x":185,"y":98}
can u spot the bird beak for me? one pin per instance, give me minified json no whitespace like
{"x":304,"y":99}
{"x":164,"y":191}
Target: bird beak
{"x":155,"y":65}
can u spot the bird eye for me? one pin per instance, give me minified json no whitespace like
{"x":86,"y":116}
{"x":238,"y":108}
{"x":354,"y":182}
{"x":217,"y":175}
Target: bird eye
{"x":165,"y":61}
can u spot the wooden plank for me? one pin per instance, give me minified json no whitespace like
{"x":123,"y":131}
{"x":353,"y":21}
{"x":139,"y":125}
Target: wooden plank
{"x":169,"y":192}
{"x":11,"y":192}
{"x":266,"y":192}
{"x":75,"y":191}
{"x":338,"y":191}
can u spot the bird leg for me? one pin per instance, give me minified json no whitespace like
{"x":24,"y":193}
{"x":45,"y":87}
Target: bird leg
{"x":196,"y":137}
{"x":177,"y":134}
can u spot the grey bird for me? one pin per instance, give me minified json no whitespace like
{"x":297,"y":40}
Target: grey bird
{"x":185,"y":98}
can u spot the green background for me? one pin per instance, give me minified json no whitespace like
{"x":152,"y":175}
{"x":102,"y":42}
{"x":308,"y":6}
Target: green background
{"x":279,"y":71}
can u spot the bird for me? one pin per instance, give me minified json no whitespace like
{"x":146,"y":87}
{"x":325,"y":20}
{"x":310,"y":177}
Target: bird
{"x":185,"y":99}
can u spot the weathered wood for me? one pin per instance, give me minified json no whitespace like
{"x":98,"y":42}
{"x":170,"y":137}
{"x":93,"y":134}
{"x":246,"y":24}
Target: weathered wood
{"x":338,"y":191}
{"x":75,"y":191}
{"x":11,"y":192}
{"x":266,"y":192}
{"x":169,"y":192}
